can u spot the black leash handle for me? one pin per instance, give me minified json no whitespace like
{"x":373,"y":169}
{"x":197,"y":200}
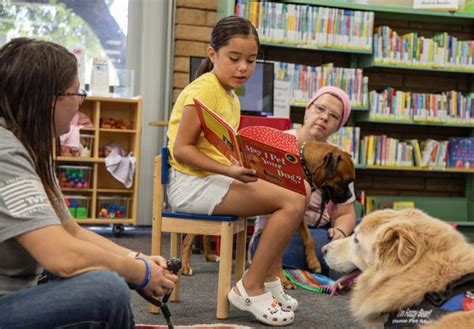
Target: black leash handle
{"x":174,"y":265}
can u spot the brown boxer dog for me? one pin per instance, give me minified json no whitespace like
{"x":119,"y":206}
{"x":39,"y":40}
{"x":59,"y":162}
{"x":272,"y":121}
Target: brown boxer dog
{"x":331,"y":170}
{"x":328,"y":168}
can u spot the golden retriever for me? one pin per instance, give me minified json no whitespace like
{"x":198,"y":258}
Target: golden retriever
{"x":403,"y":255}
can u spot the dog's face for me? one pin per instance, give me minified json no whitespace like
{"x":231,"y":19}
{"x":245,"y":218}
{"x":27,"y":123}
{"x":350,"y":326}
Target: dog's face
{"x":360,"y":250}
{"x":403,"y":254}
{"x":332,"y":170}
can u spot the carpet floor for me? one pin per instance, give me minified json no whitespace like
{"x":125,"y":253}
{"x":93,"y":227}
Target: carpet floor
{"x":198,"y":295}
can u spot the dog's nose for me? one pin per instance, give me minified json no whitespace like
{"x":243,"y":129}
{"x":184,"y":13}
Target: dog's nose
{"x":324,"y":249}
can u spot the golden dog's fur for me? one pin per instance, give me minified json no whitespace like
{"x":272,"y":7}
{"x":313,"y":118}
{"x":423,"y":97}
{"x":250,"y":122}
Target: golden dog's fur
{"x":402,"y":255}
{"x":329,"y":165}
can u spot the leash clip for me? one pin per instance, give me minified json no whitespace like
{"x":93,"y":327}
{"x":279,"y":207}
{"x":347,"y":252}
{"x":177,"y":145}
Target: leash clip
{"x":436,"y":299}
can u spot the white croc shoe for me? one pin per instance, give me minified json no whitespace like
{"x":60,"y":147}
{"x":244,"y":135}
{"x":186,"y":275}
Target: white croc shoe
{"x":263,"y":307}
{"x":286,"y":302}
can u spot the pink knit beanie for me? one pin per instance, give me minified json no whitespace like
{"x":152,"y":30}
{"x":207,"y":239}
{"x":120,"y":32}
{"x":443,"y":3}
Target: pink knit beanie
{"x":339,"y":93}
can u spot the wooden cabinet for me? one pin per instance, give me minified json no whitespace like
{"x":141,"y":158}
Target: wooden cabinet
{"x":92,"y":193}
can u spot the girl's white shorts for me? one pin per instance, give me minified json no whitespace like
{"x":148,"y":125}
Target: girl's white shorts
{"x":196,"y":195}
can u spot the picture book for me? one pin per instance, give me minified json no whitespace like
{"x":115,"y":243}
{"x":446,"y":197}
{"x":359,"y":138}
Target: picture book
{"x":461,"y":152}
{"x":271,"y":152}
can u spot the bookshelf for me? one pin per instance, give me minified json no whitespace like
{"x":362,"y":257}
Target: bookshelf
{"x":453,"y":188}
{"x":99,"y":198}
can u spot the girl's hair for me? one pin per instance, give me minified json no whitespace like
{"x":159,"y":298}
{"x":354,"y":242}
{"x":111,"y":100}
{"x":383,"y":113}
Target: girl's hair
{"x":32,"y":73}
{"x":227,"y":28}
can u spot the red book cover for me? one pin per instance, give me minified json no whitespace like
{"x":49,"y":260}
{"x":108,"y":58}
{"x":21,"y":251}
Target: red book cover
{"x":271,"y":152}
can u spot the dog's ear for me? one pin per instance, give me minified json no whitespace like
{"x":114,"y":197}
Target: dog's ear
{"x":398,"y":243}
{"x":329,"y":164}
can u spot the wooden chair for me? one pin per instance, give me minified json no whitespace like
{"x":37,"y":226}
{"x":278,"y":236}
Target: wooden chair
{"x":164,"y":220}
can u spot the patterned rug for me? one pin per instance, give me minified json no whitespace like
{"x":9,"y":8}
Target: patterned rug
{"x":310,"y":281}
{"x":196,"y":326}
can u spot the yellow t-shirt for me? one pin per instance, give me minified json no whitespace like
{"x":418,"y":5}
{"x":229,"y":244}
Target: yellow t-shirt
{"x":208,"y":90}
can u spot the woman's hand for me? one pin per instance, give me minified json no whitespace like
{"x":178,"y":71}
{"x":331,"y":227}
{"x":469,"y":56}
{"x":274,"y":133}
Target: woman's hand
{"x":335,"y":234}
{"x":162,"y":281}
{"x":242,"y":174}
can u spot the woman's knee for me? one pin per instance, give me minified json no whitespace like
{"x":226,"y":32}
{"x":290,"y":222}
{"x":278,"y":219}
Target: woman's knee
{"x":104,"y":288}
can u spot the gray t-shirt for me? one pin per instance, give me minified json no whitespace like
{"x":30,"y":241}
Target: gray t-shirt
{"x":24,"y":206}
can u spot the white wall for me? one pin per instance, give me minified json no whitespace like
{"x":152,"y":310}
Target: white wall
{"x":150,"y":52}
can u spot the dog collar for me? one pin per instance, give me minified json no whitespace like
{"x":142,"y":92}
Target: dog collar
{"x":306,"y":170}
{"x":458,"y":296}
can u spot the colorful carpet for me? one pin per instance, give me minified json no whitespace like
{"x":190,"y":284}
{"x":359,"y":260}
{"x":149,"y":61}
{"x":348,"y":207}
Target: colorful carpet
{"x":196,"y":326}
{"x":310,"y":281}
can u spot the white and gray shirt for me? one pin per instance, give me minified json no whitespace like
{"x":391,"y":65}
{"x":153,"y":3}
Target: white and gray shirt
{"x":24,"y":207}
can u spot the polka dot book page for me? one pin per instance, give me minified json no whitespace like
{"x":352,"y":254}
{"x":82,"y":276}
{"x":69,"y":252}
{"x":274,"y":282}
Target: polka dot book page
{"x":273,"y":154}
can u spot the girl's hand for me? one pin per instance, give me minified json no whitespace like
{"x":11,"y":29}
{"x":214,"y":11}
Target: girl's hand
{"x":335,"y":234}
{"x":242,"y":174}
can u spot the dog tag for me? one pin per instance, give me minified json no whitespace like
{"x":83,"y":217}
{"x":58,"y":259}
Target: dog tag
{"x":468,"y":301}
{"x":414,"y":316}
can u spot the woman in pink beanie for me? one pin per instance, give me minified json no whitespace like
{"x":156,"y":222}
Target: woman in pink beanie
{"x":325,"y":113}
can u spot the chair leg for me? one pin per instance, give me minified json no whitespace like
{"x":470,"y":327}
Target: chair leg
{"x":176,"y":251}
{"x":240,"y":252}
{"x":225,"y":270}
{"x":155,"y":250}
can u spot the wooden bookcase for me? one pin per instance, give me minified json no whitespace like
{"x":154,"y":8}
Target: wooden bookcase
{"x":446,"y":194}
{"x":102,"y":188}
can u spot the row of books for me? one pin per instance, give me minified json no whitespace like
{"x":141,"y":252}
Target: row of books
{"x":381,"y":150}
{"x":306,"y":80}
{"x":386,"y":151}
{"x":447,"y":107}
{"x":309,"y":26}
{"x":441,"y":51}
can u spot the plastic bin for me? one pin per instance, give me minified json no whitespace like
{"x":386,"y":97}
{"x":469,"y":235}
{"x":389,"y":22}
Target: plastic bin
{"x":113,"y":207}
{"x":78,"y":205}
{"x":74,"y":176}
{"x":84,"y":150}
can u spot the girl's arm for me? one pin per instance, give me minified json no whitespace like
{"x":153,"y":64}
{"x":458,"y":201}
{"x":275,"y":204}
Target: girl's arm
{"x":343,"y":220}
{"x":186,"y":152}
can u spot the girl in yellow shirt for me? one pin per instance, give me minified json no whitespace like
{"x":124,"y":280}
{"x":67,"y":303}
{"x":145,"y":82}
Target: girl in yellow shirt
{"x":203,"y":181}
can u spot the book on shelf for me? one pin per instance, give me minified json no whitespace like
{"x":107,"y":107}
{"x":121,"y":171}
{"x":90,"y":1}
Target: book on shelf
{"x":461,"y":152}
{"x":272,"y":153}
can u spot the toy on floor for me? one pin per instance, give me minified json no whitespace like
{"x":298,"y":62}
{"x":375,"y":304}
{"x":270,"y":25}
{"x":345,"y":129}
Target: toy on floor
{"x":311,"y":281}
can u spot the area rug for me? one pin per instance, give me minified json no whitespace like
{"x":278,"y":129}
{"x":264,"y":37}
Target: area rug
{"x":196,"y":326}
{"x":310,"y":281}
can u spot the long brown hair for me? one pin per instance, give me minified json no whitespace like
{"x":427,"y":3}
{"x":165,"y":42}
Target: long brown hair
{"x":227,"y":28}
{"x":32,"y":72}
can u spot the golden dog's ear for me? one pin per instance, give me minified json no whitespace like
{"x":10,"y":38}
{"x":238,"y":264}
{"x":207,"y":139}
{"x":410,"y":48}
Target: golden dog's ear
{"x":398,"y":243}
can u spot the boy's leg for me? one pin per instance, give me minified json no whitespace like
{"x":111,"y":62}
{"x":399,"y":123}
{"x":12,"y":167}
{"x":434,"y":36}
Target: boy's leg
{"x":96,"y":299}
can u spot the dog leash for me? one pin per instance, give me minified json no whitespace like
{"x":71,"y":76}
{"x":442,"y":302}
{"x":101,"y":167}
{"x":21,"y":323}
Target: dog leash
{"x":174,"y":265}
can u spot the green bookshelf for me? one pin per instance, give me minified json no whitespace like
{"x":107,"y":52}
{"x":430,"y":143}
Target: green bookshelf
{"x":459,"y":210}
{"x":369,"y":62}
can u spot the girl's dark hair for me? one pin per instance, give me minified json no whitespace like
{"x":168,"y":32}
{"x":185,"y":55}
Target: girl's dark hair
{"x":32,"y":73}
{"x":227,"y":28}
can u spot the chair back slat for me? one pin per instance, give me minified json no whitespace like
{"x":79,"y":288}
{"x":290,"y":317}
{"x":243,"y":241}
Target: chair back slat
{"x":164,"y":165}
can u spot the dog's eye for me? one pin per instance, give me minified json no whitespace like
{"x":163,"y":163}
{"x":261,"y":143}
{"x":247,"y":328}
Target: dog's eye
{"x":355,"y":239}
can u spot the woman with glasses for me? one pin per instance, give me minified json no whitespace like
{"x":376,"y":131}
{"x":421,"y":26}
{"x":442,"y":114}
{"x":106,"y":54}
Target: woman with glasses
{"x":39,"y":95}
{"x":325,"y":113}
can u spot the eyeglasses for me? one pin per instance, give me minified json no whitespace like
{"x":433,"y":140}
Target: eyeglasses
{"x":80,"y":93}
{"x":332,"y":116}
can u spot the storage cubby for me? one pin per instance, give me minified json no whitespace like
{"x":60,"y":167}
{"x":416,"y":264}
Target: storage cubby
{"x":85,"y":181}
